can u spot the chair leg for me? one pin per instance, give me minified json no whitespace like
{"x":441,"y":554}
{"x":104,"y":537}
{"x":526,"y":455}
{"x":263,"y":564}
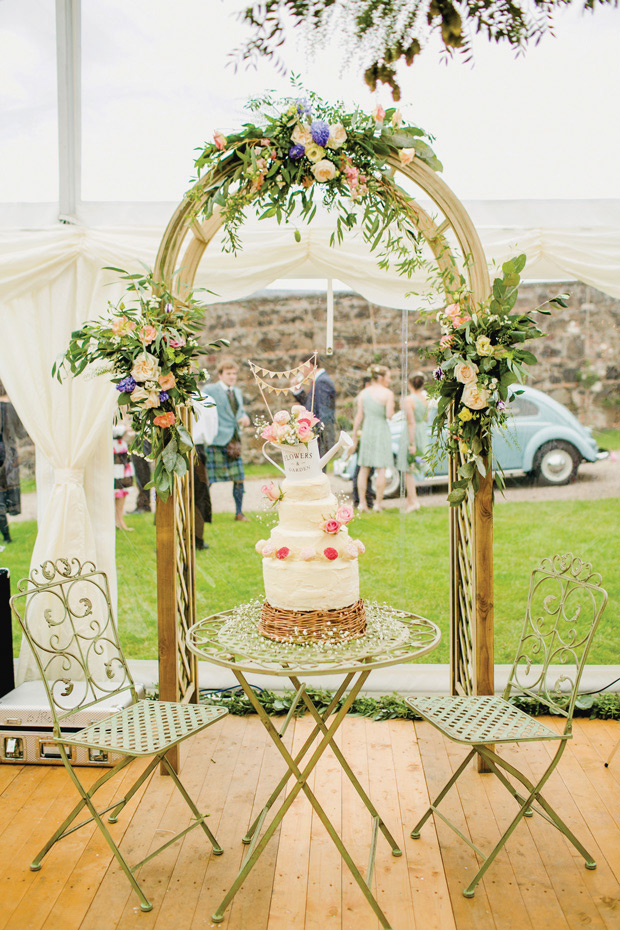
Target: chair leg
{"x":129,"y":795}
{"x":415,"y":833}
{"x":217,"y":849}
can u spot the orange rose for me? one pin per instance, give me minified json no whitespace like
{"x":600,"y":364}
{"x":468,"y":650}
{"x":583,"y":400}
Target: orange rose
{"x":165,"y":419}
{"x":167,"y":381}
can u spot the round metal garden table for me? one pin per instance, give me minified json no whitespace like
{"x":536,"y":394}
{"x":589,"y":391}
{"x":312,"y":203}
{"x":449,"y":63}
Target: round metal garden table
{"x":231,"y":639}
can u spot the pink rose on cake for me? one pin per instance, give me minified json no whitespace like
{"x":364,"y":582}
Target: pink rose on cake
{"x":361,"y":548}
{"x":344,"y":514}
{"x":283,"y":552}
{"x":331,"y":526}
{"x":330,"y":553}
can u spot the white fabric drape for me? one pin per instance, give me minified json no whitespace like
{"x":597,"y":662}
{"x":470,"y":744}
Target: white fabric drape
{"x":50,"y":291}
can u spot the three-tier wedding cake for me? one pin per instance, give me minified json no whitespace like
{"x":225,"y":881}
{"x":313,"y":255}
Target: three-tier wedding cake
{"x":310,"y":562}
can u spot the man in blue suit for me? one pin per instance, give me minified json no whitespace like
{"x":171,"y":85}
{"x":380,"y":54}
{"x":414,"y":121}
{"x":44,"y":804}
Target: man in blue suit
{"x":323,"y":405}
{"x":224,"y":462}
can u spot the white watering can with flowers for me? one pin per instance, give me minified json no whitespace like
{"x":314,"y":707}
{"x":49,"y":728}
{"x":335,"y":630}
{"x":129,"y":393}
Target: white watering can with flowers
{"x":301,"y":461}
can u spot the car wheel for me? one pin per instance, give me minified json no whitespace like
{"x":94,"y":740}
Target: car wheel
{"x":392,"y":482}
{"x":556,"y":463}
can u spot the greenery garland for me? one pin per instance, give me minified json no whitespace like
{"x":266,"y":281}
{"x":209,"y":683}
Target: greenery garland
{"x":149,"y":350}
{"x":300,"y":150}
{"x":392,"y":706}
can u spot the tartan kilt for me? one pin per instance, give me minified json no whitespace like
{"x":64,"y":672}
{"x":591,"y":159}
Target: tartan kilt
{"x":222,"y":468}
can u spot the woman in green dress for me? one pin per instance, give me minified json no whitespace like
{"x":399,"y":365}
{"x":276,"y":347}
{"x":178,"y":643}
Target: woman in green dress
{"x":375,"y":406}
{"x":413,"y":438}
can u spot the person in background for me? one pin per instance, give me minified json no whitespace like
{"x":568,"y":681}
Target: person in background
{"x":204,"y":432}
{"x":123,"y":475}
{"x":371,"y":431}
{"x":413,"y":438}
{"x":142,"y":474}
{"x":11,"y":430}
{"x":322,"y":404}
{"x":224,"y":462}
{"x":370,"y":494}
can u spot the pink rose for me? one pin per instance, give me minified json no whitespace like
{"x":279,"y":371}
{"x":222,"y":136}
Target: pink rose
{"x":220,"y":140}
{"x":331,"y":526}
{"x":406,"y":156}
{"x":282,"y":553}
{"x":121,"y":325}
{"x":344,"y":514}
{"x":446,"y":341}
{"x":269,"y":433}
{"x":282,"y":416}
{"x":330,"y":553}
{"x":166,"y":381}
{"x":307,"y":553}
{"x":165,"y":419}
{"x":177,"y":343}
{"x":147,"y":334}
{"x":307,"y":415}
{"x":271,"y":491}
{"x":466,"y":372}
{"x":304,"y":432}
{"x":379,"y":113}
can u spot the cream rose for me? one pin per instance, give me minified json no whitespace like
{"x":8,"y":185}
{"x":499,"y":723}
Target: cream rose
{"x":474,"y":396}
{"x":145,"y":368}
{"x":301,"y":135}
{"x":145,"y":398}
{"x":337,"y":136}
{"x":466,"y":372}
{"x":324,"y":170}
{"x":406,"y":156}
{"x":315,"y":152}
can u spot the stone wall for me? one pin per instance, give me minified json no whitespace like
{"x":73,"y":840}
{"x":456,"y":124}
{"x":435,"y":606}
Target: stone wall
{"x":578,"y":360}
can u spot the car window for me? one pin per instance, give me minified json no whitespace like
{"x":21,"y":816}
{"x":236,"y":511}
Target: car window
{"x":520,"y":407}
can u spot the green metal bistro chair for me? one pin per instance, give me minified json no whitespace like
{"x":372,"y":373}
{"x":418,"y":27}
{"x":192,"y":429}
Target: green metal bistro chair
{"x":64,"y":610}
{"x":564,"y":606}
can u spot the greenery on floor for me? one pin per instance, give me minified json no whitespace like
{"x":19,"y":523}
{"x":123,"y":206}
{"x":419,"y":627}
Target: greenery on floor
{"x":406,"y":564}
{"x":388,"y":706}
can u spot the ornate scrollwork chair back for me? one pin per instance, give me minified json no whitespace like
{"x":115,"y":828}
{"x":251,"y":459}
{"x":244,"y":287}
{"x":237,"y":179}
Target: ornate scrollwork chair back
{"x":564,"y":605}
{"x":65,"y":611}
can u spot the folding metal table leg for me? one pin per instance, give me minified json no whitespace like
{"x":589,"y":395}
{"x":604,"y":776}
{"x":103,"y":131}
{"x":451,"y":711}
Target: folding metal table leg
{"x":301,"y":785}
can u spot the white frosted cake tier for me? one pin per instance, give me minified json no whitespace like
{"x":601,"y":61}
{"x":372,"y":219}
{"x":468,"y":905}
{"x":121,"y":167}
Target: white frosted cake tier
{"x":304,"y":566}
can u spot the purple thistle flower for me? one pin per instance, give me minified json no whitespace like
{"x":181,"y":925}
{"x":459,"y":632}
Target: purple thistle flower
{"x":126,"y":386}
{"x":163,"y":395}
{"x":319,"y":130}
{"x":438,"y":373}
{"x":296,"y":151}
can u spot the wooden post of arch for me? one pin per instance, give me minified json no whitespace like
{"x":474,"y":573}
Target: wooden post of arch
{"x":471,"y":529}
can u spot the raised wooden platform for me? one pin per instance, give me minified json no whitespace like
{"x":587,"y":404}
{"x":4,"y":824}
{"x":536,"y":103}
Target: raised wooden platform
{"x":299,"y":884}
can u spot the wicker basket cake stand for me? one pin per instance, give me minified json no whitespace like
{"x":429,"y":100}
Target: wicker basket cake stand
{"x":231,"y":639}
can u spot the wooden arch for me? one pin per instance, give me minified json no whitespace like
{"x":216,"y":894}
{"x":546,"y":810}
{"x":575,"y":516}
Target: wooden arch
{"x":471,"y":529}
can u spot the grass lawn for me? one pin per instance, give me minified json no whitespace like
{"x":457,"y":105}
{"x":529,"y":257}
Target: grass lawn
{"x":608,"y":438}
{"x":406,"y":564}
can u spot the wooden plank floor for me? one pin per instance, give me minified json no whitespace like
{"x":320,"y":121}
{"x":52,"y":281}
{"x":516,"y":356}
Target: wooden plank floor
{"x":301,"y":883}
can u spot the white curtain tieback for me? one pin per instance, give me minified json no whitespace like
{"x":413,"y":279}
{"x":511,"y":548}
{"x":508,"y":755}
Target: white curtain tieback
{"x":69,"y":476}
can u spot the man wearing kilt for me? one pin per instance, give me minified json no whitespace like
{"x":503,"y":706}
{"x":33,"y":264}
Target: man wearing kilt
{"x":224,"y":462}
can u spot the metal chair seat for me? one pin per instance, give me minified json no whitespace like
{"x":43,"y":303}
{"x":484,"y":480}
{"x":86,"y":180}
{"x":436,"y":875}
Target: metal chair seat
{"x":146,"y":728}
{"x":481,"y":719}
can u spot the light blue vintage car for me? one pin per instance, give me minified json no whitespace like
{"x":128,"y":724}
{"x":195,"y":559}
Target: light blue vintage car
{"x":542,"y":439}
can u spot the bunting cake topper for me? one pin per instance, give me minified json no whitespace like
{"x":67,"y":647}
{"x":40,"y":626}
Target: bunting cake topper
{"x":297,"y":376}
